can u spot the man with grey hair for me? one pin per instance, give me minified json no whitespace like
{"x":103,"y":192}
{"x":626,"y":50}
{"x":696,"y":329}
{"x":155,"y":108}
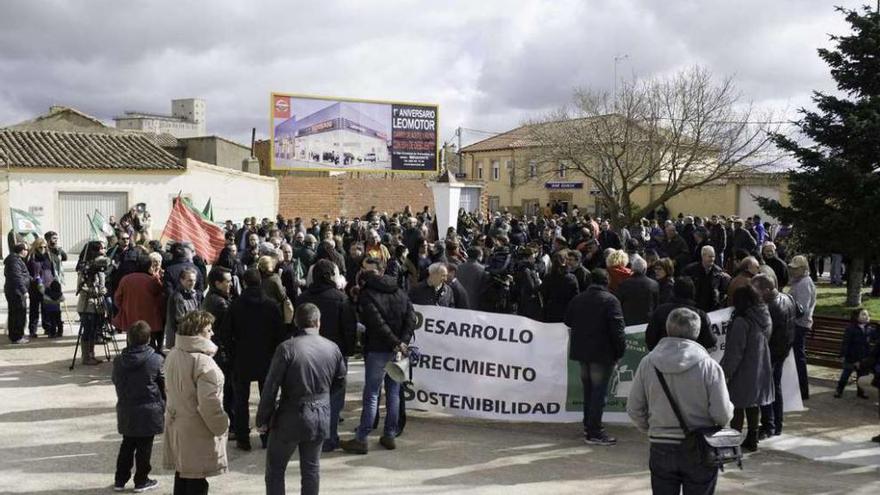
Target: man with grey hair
{"x":307,"y":368}
{"x":710,"y":281}
{"x":638,"y":295}
{"x":696,"y":383}
{"x":434,"y":291}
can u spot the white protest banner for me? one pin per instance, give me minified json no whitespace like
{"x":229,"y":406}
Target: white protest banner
{"x":507,"y":367}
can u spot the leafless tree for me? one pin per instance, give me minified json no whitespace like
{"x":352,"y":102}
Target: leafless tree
{"x":674,"y":133}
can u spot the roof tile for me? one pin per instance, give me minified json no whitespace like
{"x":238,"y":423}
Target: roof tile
{"x":87,"y":151}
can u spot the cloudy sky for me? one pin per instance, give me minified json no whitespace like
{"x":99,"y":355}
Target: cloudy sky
{"x":489,"y":64}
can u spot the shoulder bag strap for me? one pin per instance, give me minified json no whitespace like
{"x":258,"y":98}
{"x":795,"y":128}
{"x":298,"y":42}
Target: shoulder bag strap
{"x":672,"y":403}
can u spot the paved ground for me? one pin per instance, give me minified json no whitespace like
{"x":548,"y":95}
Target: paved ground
{"x":58,"y":436}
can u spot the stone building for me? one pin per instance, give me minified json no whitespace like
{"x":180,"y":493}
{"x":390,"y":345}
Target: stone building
{"x":187,"y":119}
{"x":505,"y":166}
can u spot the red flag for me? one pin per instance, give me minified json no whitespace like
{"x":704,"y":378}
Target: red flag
{"x":185,"y":225}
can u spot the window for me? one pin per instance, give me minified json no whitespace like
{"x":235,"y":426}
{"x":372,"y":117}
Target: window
{"x":533,"y":169}
{"x":511,"y":171}
{"x":479,"y":170}
{"x":561,"y":172}
{"x":496,"y":170}
{"x":494,"y":203}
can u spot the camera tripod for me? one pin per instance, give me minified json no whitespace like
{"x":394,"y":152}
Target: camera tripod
{"x":105,"y":334}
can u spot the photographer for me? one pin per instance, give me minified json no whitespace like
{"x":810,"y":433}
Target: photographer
{"x":91,"y":288}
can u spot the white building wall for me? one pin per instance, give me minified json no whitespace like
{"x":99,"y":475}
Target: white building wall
{"x":234,"y":195}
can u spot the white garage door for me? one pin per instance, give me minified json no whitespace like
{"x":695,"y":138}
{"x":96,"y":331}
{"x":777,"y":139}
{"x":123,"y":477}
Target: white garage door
{"x":75,"y":229}
{"x":748,"y":206}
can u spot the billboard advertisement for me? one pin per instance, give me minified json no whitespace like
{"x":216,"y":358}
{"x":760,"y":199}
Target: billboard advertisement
{"x":346,"y":135}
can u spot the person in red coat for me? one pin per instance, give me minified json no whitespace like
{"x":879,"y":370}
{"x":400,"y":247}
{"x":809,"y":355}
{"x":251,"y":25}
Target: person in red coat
{"x":140,"y":296}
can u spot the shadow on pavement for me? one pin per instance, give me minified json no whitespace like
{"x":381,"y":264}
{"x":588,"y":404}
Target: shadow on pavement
{"x":53,"y":414}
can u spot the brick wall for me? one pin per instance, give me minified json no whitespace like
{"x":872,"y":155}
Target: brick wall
{"x":314,"y":197}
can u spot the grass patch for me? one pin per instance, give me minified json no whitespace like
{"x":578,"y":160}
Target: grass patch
{"x":830,"y":302}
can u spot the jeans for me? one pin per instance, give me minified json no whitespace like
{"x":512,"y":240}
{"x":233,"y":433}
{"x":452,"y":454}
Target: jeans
{"x":52,"y":322}
{"x":672,"y":472}
{"x":34,"y":313}
{"x":337,"y":404}
{"x":278,"y":455}
{"x":17,"y":316}
{"x":374,"y":371}
{"x":190,"y":486}
{"x":242,"y":413}
{"x":91,"y":324}
{"x":137,"y":450}
{"x":837,"y":269}
{"x":594,"y":378}
{"x":751,"y":416}
{"x":845,"y":373}
{"x":771,"y":414}
{"x":800,"y":359}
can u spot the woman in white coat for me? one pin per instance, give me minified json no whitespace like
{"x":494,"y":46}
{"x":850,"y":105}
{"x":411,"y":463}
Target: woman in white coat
{"x":195,"y":424}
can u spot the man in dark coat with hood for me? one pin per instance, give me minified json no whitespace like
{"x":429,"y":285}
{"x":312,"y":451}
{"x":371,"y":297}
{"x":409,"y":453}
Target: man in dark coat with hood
{"x":783,"y":311}
{"x":15,"y":286}
{"x":598,"y":341}
{"x":217,"y":302}
{"x":255,"y":328}
{"x":140,"y":406}
{"x":638,"y":295}
{"x":338,"y":324}
{"x":389,"y":321}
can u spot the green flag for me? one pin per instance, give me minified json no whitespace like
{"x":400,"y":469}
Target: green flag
{"x":25,"y":223}
{"x":208,"y":212}
{"x":101,"y":226}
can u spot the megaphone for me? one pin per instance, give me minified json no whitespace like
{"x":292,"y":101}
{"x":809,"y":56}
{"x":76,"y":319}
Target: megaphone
{"x":398,"y":368}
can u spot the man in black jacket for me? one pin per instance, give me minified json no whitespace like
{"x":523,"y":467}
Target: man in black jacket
{"x":389,"y":320}
{"x":472,"y":275}
{"x":434,"y":291}
{"x":255,"y":328}
{"x":598,"y":341}
{"x":217,"y":302}
{"x":780,"y":268}
{"x":459,"y":293}
{"x":339,"y":325}
{"x":638,"y":295}
{"x":683,"y":297}
{"x":676,"y":249}
{"x":783,"y":312}
{"x":309,"y":369}
{"x":710,"y":281}
{"x":15,"y":287}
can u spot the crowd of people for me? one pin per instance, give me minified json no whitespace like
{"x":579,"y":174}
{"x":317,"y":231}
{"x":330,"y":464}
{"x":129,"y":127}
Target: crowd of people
{"x":354,"y":282}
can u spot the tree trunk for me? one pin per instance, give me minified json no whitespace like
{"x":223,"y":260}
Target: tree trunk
{"x":855,"y":274}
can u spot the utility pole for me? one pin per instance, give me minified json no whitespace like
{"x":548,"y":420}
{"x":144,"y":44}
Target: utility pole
{"x":458,"y":150}
{"x":618,"y":59}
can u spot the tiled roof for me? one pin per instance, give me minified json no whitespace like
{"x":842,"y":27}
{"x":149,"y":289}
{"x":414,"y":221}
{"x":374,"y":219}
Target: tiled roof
{"x":521,"y":138}
{"x":162,"y":139}
{"x":516,"y":138}
{"x":87,"y":151}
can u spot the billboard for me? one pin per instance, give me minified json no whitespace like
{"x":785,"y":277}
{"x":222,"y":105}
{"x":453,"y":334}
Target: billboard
{"x":345,"y":135}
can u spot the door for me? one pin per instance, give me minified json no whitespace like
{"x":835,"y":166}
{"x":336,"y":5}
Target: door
{"x":75,"y":230}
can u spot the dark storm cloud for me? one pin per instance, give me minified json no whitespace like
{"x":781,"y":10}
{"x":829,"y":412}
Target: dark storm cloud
{"x":488,"y":64}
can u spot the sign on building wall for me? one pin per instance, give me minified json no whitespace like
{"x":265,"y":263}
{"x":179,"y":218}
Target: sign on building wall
{"x":318,"y":133}
{"x":563,"y":185}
